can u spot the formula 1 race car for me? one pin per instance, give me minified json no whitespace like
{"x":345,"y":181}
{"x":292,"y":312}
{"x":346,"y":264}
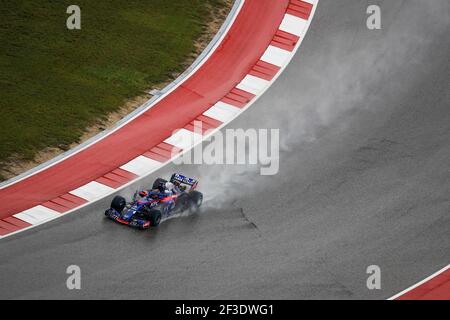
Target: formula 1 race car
{"x":165,"y":199}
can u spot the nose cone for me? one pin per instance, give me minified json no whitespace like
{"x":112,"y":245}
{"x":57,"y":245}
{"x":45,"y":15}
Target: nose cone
{"x":129,"y":213}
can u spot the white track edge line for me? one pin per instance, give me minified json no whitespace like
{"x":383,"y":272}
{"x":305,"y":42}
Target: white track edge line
{"x":418,"y":284}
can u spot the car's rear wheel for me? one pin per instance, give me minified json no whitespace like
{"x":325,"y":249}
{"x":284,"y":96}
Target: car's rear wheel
{"x":118,"y":203}
{"x":196,"y":200}
{"x":182,"y":203}
{"x":154,"y":216}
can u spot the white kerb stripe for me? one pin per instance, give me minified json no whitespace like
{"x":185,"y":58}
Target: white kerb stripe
{"x":92,"y":191}
{"x":141,"y":165}
{"x":37,"y":215}
{"x":313,"y":2}
{"x":227,"y":107}
{"x":276,"y":56}
{"x":184,"y":139}
{"x":253,"y":84}
{"x":220,"y":112}
{"x":293,"y":25}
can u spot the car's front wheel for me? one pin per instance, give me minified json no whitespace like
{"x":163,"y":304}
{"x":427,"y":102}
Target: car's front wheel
{"x":154,"y":216}
{"x":118,"y":203}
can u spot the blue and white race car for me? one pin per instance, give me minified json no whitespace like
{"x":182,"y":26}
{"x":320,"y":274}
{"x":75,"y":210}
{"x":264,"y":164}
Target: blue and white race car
{"x":148,"y":207}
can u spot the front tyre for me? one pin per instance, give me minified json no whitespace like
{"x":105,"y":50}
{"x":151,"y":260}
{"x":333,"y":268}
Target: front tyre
{"x":154,"y":216}
{"x":118,"y":203}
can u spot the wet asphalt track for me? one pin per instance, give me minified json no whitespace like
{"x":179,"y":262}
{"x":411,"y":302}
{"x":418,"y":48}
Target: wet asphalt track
{"x":364,"y":179}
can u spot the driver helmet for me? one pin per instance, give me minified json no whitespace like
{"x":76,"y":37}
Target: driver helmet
{"x":169,"y":186}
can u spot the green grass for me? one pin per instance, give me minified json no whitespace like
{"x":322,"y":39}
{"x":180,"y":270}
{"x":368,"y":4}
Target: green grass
{"x":55,"y":82}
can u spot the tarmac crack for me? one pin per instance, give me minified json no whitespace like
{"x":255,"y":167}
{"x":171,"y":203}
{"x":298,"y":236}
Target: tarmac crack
{"x":251,"y":223}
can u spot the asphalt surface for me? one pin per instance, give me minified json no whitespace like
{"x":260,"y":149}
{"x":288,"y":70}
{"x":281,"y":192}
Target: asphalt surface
{"x":364,"y":180}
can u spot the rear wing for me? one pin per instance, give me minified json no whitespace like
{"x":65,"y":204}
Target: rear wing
{"x":176,"y":177}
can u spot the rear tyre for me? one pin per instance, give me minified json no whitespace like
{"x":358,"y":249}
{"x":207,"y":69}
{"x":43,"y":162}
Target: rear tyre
{"x":118,"y":203}
{"x":158,"y":183}
{"x":154,"y":216}
{"x":182,"y":203}
{"x":196,"y":200}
